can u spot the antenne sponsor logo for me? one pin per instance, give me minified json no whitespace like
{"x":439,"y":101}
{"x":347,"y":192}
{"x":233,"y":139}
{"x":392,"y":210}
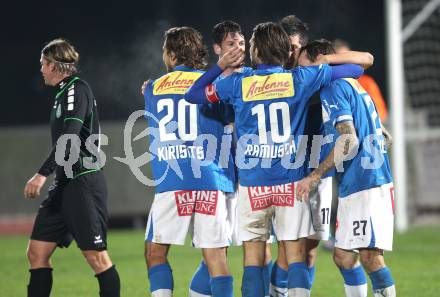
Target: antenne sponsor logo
{"x":279,"y":85}
{"x":176,"y":82}
{"x":266,"y":196}
{"x":189,"y":202}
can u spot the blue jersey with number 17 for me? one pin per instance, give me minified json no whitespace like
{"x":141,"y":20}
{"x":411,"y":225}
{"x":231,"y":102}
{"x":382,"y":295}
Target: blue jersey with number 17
{"x":270,"y":105}
{"x":190,"y":143}
{"x":346,"y":100}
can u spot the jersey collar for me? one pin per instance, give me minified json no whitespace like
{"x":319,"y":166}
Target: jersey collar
{"x":267,"y":67}
{"x":182,"y":68}
{"x":64,"y":84}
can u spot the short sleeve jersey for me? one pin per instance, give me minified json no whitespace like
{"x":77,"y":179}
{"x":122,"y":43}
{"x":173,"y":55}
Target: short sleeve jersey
{"x":346,"y":100}
{"x":190,"y":143}
{"x":270,"y":105}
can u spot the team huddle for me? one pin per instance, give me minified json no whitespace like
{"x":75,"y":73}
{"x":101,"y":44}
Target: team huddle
{"x":246,"y":156}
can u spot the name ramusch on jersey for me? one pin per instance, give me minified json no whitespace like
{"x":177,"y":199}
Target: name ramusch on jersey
{"x":270,"y":151}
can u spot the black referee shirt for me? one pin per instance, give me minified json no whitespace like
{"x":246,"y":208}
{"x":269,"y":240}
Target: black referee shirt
{"x":74,"y":112}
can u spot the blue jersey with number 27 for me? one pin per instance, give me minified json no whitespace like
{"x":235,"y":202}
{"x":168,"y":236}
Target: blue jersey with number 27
{"x":346,"y":100}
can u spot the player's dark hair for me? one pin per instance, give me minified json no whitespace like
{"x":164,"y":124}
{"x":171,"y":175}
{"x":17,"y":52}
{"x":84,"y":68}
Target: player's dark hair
{"x":186,"y":44}
{"x":272,"y":43}
{"x":318,"y":47}
{"x":222,"y":29}
{"x":63,"y":55}
{"x":294,"y":26}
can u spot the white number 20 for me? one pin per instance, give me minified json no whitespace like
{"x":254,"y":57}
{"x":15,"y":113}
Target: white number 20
{"x":184,"y":109}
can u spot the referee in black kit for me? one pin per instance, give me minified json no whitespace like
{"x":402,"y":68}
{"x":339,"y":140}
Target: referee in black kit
{"x":76,"y":206}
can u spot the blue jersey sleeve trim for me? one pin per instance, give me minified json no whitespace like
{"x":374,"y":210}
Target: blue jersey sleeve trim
{"x":346,"y":70}
{"x":197,"y":93}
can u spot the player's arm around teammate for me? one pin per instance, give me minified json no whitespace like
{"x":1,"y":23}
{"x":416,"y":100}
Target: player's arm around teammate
{"x":365,"y":193}
{"x":298,"y":36}
{"x":255,"y":226}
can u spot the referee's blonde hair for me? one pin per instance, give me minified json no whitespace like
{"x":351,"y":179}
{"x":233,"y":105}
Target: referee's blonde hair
{"x":63,"y":55}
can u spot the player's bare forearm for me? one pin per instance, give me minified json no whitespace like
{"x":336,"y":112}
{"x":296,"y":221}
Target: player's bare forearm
{"x":346,"y":143}
{"x":363,"y":59}
{"x":311,"y":182}
{"x":324,"y":167}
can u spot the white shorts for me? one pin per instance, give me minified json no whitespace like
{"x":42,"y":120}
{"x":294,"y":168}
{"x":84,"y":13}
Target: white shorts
{"x":366,"y":219}
{"x":202,"y":213}
{"x":321,"y":207}
{"x":260,"y":207}
{"x":231,"y":203}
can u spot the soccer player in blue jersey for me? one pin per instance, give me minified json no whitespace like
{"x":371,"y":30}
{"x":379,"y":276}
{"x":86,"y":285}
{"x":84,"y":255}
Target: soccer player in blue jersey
{"x":366,"y":197}
{"x":270,"y":108}
{"x":321,"y":198}
{"x":191,"y":182}
{"x":226,"y":35}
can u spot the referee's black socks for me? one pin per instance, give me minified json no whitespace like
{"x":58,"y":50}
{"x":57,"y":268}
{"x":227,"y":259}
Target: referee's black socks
{"x":40,"y":283}
{"x":109,"y":283}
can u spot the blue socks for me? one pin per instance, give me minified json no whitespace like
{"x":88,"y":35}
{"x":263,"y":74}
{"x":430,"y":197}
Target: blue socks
{"x":221,"y":286}
{"x":311,"y":275}
{"x":354,"y":276}
{"x":267,"y":270}
{"x":161,"y":278}
{"x":355,"y":282}
{"x":298,"y":276}
{"x":381,"y":279}
{"x":278,"y":281}
{"x":203,"y":284}
{"x":252,"y":283}
{"x":201,"y":281}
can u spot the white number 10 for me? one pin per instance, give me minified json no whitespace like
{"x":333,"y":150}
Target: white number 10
{"x":273,"y":118}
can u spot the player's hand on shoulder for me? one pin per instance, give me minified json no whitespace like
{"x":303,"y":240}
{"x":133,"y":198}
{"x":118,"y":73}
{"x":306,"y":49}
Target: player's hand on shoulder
{"x":34,"y":185}
{"x":144,"y":86}
{"x":232,"y":58}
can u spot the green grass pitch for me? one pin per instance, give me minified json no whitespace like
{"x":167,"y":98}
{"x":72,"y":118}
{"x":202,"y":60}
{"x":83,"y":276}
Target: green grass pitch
{"x":415,"y":264}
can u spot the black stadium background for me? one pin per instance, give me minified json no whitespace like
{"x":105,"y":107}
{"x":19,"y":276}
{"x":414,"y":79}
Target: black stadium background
{"x":120,"y":43}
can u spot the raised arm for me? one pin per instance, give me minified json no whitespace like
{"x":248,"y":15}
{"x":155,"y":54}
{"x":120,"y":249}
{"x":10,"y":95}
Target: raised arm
{"x":363,"y":59}
{"x":346,"y":70}
{"x":202,"y":91}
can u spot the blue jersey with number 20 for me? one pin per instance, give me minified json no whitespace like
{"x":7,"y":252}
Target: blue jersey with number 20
{"x":191,"y":143}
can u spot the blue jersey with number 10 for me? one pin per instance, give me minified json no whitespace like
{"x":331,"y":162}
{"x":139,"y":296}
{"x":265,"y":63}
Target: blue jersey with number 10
{"x":346,"y":100}
{"x":191,"y":143}
{"x":270,"y":105}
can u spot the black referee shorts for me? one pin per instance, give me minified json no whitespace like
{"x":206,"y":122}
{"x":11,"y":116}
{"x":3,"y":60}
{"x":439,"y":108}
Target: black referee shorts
{"x":75,"y":210}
